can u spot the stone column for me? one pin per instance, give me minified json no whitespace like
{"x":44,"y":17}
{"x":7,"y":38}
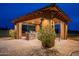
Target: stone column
{"x":37,"y":27}
{"x":18,"y":30}
{"x":45,"y":22}
{"x":63,"y":30}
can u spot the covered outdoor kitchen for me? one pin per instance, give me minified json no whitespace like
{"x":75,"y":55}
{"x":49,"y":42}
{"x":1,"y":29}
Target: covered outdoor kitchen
{"x":51,"y":14}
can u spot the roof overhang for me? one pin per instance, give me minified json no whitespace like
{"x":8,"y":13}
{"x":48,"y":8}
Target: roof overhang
{"x":50,"y":10}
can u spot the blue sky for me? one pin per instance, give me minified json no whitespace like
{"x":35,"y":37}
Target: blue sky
{"x":9,"y":12}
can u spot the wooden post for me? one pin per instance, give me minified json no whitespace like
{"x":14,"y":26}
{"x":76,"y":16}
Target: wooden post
{"x":63,"y":30}
{"x":53,"y":24}
{"x":18,"y":30}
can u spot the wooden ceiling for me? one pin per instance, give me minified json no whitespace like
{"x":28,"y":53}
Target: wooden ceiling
{"x":38,"y":21}
{"x":51,"y":11}
{"x":33,"y":21}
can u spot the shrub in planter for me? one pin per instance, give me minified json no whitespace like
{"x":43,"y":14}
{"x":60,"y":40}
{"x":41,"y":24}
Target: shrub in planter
{"x":12,"y":33}
{"x":47,"y":36}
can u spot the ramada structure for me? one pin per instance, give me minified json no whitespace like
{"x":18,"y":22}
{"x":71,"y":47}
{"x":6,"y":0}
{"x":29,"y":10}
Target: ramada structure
{"x":48,"y":15}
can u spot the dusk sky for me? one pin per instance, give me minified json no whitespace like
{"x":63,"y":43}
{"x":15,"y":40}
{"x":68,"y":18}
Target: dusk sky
{"x":9,"y":12}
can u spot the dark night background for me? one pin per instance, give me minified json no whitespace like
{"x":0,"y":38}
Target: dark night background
{"x":9,"y":12}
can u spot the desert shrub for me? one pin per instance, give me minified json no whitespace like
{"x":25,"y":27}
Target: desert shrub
{"x":47,"y":36}
{"x":11,"y":33}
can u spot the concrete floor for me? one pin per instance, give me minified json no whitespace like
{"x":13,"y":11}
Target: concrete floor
{"x":25,"y":47}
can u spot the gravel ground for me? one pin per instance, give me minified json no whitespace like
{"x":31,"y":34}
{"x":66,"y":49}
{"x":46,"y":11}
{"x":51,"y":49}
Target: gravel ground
{"x":18,"y":47}
{"x":34,"y":47}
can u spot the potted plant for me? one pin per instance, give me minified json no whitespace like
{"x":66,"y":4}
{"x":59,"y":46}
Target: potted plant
{"x":47,"y":36}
